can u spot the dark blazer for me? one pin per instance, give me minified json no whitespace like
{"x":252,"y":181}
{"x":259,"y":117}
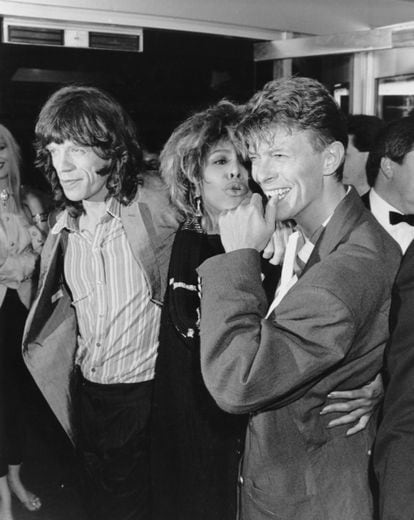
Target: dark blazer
{"x":50,"y":335}
{"x":328,"y":333}
{"x":394,"y":449}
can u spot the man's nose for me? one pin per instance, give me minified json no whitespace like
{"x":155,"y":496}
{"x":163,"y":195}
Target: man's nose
{"x":260,"y":171}
{"x":62,"y":161}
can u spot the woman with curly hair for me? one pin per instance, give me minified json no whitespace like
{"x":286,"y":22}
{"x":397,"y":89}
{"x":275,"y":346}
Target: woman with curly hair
{"x":23,"y":224}
{"x":195,"y":445}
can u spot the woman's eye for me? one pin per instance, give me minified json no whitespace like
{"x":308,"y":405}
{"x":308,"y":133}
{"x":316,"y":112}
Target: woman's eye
{"x":220,"y":162}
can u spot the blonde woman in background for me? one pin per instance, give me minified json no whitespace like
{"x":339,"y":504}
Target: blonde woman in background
{"x":23,"y":226}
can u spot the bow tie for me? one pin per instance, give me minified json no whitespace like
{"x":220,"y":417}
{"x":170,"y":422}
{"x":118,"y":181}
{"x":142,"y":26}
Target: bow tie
{"x":397,"y":218}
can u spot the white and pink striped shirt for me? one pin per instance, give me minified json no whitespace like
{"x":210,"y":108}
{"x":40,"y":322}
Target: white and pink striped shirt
{"x":118,"y":324}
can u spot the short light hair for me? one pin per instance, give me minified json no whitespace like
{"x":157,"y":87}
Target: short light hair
{"x":295,"y":103}
{"x":183,"y":157}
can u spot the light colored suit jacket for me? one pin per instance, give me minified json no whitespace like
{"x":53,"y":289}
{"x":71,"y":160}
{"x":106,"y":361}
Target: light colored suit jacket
{"x":328,"y":333}
{"x":50,"y":335}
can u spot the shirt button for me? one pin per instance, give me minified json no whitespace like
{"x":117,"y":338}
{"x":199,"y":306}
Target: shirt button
{"x":11,"y":244}
{"x":98,"y":344}
{"x":93,"y":370}
{"x":241,"y":480}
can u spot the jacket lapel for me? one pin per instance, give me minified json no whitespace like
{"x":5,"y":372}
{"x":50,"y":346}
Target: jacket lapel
{"x":137,"y":222}
{"x":346,"y":214}
{"x":49,"y":280}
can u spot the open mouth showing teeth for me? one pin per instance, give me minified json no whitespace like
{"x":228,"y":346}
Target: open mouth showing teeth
{"x":279,"y":193}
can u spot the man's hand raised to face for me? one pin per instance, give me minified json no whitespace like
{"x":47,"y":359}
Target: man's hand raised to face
{"x":247,"y":226}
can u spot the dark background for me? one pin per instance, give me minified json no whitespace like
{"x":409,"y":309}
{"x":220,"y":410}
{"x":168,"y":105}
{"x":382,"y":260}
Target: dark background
{"x":176,"y":74}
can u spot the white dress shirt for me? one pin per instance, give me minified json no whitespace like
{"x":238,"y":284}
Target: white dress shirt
{"x":402,"y":233}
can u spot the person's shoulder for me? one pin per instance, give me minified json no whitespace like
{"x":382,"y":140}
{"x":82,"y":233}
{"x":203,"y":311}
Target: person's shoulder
{"x":375,"y":234}
{"x":151,"y":187}
{"x":154,"y":194}
{"x":152,"y":182}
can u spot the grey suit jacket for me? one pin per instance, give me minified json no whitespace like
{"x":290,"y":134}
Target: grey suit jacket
{"x":328,"y":333}
{"x":50,"y":335}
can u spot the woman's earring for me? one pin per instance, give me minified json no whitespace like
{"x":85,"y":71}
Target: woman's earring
{"x":198,"y":212}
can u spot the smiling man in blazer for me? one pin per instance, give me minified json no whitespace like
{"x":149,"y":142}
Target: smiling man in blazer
{"x":327,"y":326}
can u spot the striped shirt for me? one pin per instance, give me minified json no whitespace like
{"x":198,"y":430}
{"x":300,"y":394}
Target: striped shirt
{"x":118,"y":324}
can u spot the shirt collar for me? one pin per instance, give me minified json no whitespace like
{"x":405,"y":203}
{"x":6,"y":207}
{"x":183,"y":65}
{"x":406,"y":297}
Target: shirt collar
{"x":66,"y":221}
{"x":381,"y":208}
{"x":316,"y":234}
{"x":310,"y":242}
{"x":114,"y":208}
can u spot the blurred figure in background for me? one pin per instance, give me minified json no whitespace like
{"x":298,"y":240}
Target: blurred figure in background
{"x":362,"y":131}
{"x":391,"y":166}
{"x":23,"y":224}
{"x":390,"y":172}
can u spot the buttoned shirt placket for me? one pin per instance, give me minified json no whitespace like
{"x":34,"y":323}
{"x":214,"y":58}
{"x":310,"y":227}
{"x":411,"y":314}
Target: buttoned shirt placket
{"x":101,"y":299}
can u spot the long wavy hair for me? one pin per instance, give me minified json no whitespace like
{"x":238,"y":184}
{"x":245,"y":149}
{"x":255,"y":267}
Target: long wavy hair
{"x":184,"y":155}
{"x":89,"y":116}
{"x":14,"y":163}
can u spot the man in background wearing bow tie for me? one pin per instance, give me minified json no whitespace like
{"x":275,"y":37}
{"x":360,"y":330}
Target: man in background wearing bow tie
{"x":327,"y":326}
{"x":390,"y":173}
{"x":392,"y":202}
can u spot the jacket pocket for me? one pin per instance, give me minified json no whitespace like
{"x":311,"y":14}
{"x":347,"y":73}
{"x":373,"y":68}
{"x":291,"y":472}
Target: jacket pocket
{"x":282,"y":507}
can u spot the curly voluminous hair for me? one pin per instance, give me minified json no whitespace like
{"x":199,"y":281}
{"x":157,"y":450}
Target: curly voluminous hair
{"x":295,"y":103}
{"x":14,"y":162}
{"x":185,"y":153}
{"x":89,"y":116}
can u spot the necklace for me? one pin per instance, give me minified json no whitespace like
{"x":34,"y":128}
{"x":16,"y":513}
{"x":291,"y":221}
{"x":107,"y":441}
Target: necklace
{"x":4,"y":195}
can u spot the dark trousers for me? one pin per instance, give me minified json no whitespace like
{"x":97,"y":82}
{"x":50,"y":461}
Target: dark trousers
{"x":13,"y":377}
{"x":113,"y":422}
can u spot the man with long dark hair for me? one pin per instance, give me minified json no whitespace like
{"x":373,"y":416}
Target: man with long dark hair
{"x":101,"y":283}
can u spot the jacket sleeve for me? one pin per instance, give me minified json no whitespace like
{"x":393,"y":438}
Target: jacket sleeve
{"x":394,"y":449}
{"x":249,"y":362}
